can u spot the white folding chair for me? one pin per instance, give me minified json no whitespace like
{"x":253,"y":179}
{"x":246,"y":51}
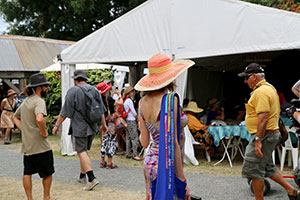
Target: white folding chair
{"x":289,"y":147}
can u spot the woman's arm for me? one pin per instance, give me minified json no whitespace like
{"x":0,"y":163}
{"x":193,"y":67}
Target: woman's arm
{"x":144,"y":136}
{"x":296,"y":92}
{"x":178,"y":162}
{"x":2,"y":105}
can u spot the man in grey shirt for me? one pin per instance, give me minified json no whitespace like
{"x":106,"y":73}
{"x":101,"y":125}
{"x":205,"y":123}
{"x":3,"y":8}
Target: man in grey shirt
{"x":82,"y":132}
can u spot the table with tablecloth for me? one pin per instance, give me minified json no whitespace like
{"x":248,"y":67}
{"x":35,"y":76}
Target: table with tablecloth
{"x":233,"y":135}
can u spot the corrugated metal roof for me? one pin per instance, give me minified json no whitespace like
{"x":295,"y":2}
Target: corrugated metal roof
{"x":22,"y":53}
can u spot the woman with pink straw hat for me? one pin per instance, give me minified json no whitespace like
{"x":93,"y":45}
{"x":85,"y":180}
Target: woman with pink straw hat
{"x":156,"y":85}
{"x":8,"y":106}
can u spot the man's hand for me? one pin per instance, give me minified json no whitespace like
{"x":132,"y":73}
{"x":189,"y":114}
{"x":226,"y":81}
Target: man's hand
{"x":55,"y":130}
{"x":257,"y":149}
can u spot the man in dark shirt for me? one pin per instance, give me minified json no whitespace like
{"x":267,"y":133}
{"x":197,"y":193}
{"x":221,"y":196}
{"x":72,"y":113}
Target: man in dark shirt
{"x":82,"y":132}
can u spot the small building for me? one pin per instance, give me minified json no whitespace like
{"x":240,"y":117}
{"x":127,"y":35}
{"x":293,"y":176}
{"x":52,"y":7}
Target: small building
{"x":21,"y":56}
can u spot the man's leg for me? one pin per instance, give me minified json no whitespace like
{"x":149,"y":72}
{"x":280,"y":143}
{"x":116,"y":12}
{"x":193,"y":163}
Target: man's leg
{"x":27,"y":184}
{"x":283,"y":182}
{"x":47,"y":181}
{"x":85,"y":162}
{"x":258,"y":188}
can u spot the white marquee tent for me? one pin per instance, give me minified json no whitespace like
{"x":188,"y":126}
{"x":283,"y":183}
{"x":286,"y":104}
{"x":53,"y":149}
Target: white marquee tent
{"x":193,"y":29}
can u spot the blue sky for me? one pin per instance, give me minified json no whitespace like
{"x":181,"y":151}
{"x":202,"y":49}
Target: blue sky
{"x":3,"y":25}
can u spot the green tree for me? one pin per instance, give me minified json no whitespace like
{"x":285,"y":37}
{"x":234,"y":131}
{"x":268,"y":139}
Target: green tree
{"x":62,"y":19}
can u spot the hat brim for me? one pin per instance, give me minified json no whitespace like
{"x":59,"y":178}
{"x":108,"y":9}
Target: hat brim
{"x":152,"y":82}
{"x":243,"y":74}
{"x":75,"y":77}
{"x":12,"y":93}
{"x":195,"y":110}
{"x":127,"y":92}
{"x":106,"y":89}
{"x":38,"y":84}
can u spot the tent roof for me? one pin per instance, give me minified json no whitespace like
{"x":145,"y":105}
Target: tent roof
{"x":188,"y":29}
{"x":28,"y":54}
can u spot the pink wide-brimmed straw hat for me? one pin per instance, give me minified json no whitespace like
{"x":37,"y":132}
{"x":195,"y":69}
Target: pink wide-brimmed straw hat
{"x":162,"y":72}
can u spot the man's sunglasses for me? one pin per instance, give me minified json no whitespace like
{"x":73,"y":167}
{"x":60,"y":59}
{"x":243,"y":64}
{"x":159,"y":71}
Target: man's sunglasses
{"x":247,"y":77}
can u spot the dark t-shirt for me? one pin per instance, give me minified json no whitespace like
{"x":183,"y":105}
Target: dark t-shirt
{"x":110,"y":103}
{"x":211,"y":115}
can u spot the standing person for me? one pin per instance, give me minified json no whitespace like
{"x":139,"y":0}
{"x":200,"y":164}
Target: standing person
{"x":7,"y":107}
{"x":82,"y":133}
{"x":262,"y":115}
{"x":296,"y":91}
{"x":30,"y":118}
{"x":109,"y":139}
{"x":132,"y":137}
{"x":159,"y":81}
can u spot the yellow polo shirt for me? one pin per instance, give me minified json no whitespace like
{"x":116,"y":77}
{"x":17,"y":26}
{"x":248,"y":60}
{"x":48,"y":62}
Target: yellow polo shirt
{"x":264,"y":98}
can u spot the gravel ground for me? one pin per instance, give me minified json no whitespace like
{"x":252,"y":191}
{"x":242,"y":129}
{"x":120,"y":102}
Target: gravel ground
{"x":131,"y":178}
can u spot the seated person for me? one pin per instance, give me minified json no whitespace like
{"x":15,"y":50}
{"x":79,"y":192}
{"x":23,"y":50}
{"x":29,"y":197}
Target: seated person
{"x":199,"y":130}
{"x":296,"y":91}
{"x":215,"y":111}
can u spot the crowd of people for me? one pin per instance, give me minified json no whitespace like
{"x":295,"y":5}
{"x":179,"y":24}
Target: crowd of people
{"x":156,"y":125}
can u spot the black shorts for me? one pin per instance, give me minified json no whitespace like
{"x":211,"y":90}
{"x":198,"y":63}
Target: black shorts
{"x":41,"y":163}
{"x":82,"y":144}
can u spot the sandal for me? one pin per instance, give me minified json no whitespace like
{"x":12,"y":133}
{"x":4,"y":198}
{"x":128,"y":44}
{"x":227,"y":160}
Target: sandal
{"x":295,"y":195}
{"x":111,"y":166}
{"x":103,"y":164}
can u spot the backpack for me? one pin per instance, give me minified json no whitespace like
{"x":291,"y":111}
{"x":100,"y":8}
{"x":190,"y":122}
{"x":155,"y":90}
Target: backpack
{"x":94,"y":110}
{"x":122,"y":111}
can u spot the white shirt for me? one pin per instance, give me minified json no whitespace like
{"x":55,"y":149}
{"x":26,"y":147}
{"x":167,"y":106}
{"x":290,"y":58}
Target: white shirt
{"x":128,"y":104}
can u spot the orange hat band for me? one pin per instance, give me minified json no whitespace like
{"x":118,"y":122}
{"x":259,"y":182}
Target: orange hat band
{"x":160,"y":69}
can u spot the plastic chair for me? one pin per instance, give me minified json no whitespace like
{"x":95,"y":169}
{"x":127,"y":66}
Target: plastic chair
{"x":288,"y":146}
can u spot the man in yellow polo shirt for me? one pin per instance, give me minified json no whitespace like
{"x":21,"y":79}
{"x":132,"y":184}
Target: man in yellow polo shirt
{"x":262,"y":115}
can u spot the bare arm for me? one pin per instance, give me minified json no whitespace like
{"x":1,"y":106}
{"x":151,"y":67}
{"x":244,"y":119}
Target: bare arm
{"x":178,"y":162}
{"x":221,"y":116}
{"x":144,"y":136}
{"x":41,"y":124}
{"x":17,"y":122}
{"x":296,"y":92}
{"x":262,"y":124}
{"x":2,"y":105}
{"x":58,"y":122}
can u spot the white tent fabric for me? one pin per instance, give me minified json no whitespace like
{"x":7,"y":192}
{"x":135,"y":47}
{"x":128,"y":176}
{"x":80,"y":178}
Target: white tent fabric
{"x":188,"y":29}
{"x":66,"y":147}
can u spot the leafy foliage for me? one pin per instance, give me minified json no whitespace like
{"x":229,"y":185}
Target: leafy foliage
{"x":99,"y":75}
{"x":62,"y":19}
{"x":289,"y":5}
{"x":53,"y":102}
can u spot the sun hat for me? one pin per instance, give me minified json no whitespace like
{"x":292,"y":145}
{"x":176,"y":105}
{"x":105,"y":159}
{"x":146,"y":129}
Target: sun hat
{"x":38,"y":79}
{"x":127,"y":90}
{"x":11,"y":92}
{"x":162,"y":71}
{"x":79,"y":73}
{"x":192,"y":106}
{"x":252,"y":68}
{"x":103,"y":87}
{"x":212,"y":102}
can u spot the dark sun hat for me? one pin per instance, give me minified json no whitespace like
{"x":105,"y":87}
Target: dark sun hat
{"x":38,"y":79}
{"x":79,"y":73}
{"x":252,"y":68}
